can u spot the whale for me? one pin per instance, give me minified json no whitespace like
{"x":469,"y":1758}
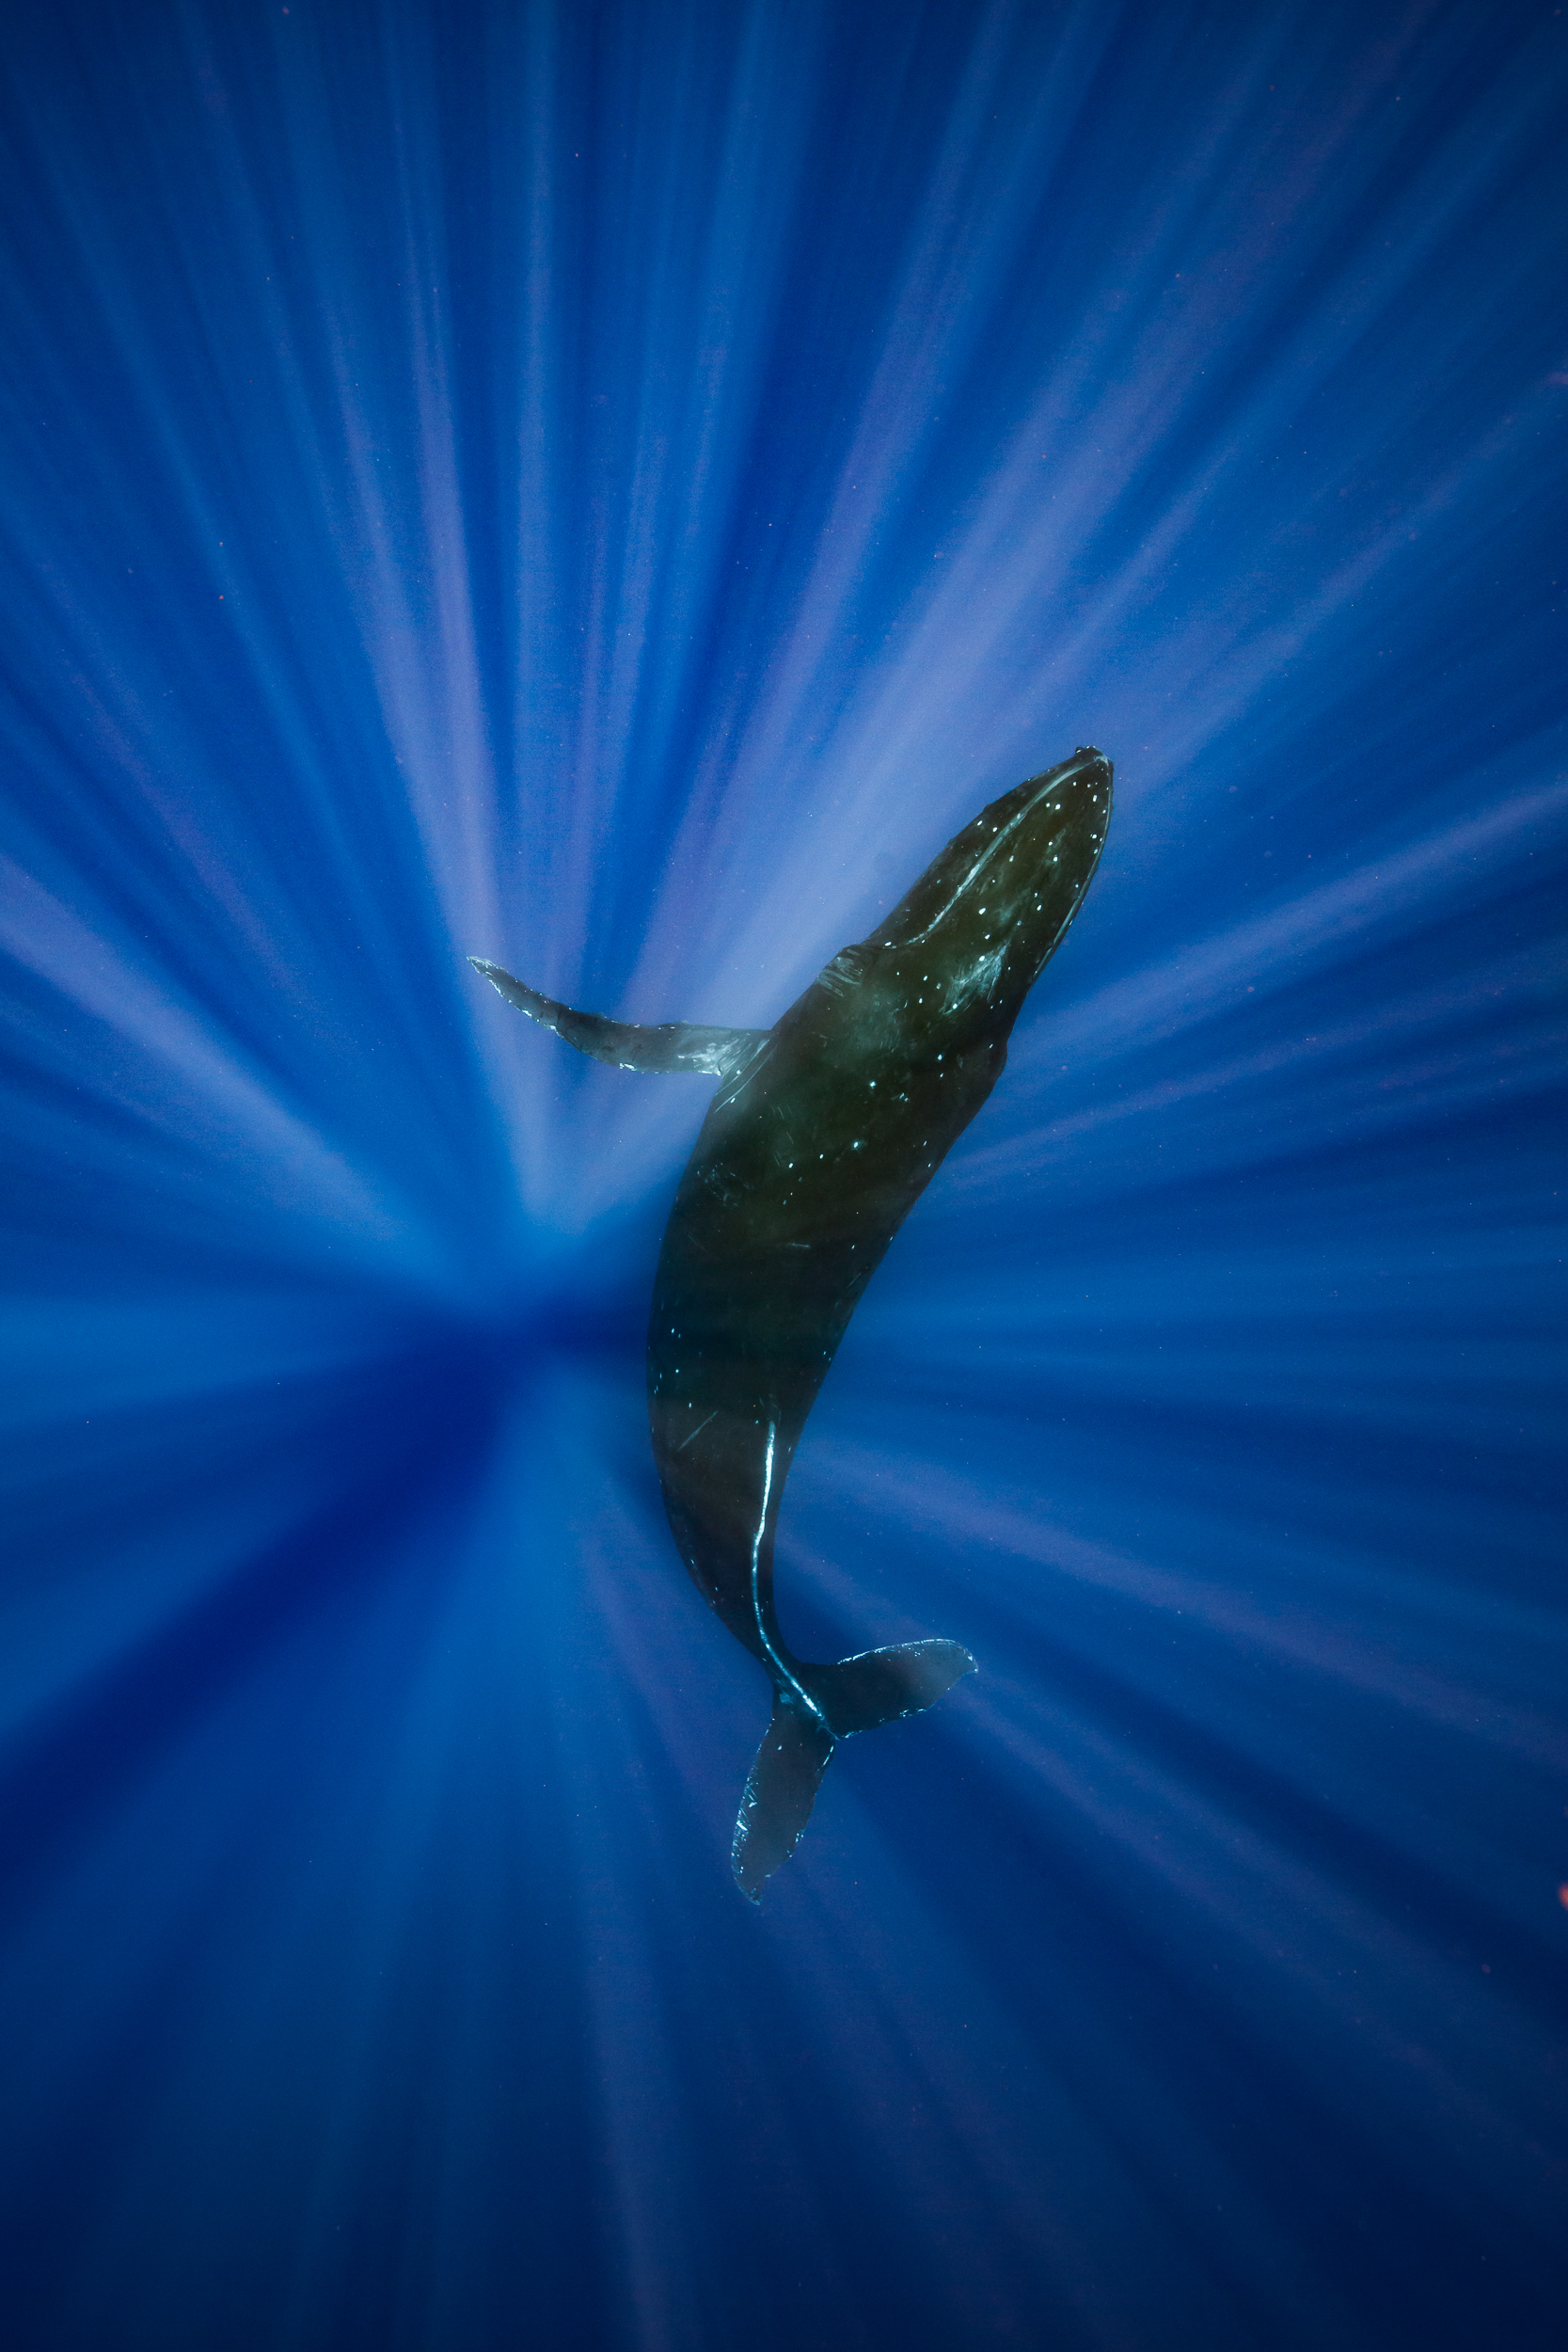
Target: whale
{"x":822,"y":1133}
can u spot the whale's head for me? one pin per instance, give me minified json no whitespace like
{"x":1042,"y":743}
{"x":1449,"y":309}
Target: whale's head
{"x":961,"y":950}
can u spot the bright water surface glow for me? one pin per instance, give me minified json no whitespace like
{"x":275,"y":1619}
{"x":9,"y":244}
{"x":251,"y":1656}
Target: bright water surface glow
{"x":611,"y":489}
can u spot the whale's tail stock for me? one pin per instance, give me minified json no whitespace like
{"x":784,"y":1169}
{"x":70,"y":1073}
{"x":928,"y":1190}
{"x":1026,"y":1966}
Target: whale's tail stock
{"x":856,"y":1695}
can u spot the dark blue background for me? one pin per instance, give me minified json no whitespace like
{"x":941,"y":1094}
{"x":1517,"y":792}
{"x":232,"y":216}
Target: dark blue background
{"x":611,"y":489}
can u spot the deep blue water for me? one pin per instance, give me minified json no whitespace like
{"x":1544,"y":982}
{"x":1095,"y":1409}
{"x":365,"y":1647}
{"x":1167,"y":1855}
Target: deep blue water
{"x":611,"y":488}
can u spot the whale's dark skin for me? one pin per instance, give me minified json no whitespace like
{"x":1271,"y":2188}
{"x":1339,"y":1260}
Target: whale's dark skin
{"x":823,"y":1134}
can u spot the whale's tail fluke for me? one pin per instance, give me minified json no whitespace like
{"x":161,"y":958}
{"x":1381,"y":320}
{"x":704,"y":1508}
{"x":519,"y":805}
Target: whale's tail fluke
{"x":780,"y":1790}
{"x":879,"y":1685}
{"x":856,"y":1695}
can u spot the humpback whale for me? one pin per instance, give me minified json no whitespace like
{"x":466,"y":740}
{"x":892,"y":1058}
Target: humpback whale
{"x":822,"y":1135}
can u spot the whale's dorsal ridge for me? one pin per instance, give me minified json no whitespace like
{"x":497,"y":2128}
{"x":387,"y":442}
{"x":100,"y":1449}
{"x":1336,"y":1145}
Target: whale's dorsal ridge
{"x":670,"y":1046}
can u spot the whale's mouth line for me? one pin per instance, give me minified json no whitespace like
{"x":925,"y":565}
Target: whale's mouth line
{"x":1071,"y":774}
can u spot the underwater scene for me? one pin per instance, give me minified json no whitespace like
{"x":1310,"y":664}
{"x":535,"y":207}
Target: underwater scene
{"x":783,"y":1449}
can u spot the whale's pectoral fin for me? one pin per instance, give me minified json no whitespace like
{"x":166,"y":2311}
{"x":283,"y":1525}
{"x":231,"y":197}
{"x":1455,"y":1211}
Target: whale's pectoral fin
{"x":785,"y":1775}
{"x":672,"y":1046}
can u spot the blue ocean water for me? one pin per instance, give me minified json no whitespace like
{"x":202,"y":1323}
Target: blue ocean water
{"x":611,"y":488}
